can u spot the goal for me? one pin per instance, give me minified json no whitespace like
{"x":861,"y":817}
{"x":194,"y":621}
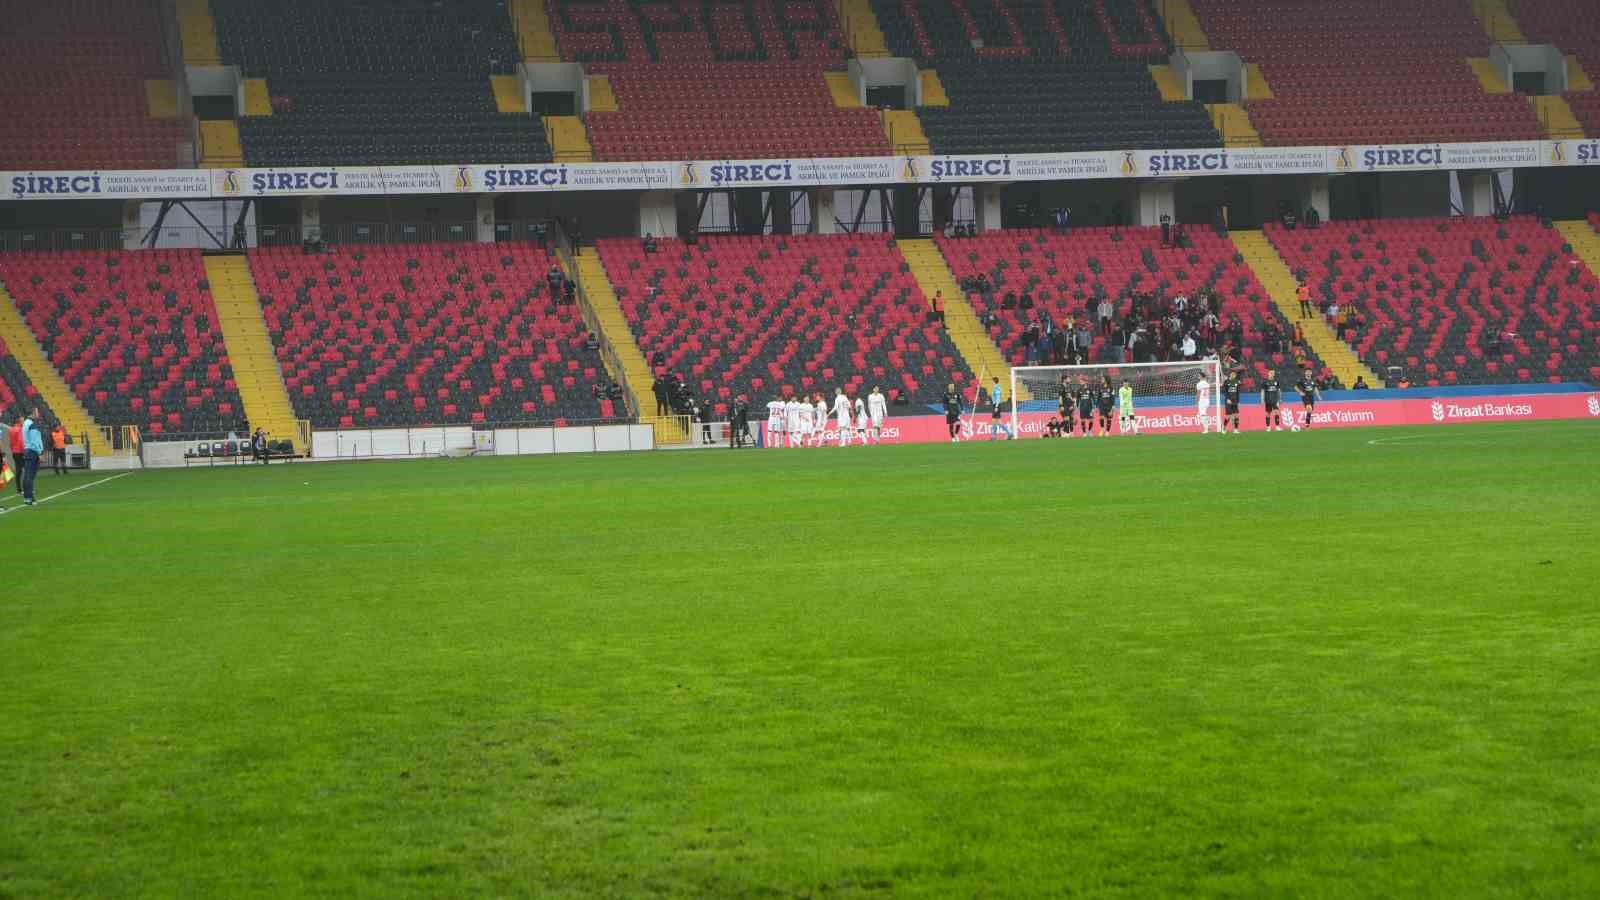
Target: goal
{"x":1157,"y":387}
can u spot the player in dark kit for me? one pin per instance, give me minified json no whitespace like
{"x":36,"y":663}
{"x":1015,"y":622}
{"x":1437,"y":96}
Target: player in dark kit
{"x":1104,"y":399}
{"x":1083,"y":396}
{"x":1308,"y":394}
{"x":1064,"y":405}
{"x":1230,"y":402}
{"x":1272,"y":400}
{"x":952,"y":412}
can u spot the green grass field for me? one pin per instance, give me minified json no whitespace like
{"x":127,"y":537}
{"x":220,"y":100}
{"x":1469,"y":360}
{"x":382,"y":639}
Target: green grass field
{"x":1340,"y":664}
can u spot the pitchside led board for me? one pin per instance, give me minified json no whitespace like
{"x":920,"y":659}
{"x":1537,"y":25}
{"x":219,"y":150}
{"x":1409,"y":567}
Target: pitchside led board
{"x":1178,"y":415}
{"x":193,"y":184}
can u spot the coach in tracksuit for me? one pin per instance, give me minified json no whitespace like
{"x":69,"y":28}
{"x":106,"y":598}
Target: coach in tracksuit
{"x":33,"y":448}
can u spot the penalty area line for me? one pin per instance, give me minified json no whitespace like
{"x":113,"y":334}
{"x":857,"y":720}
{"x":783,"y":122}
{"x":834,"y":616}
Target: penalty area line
{"x":71,"y":490}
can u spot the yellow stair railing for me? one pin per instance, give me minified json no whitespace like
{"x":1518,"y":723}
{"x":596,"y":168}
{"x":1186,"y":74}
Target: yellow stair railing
{"x":569,"y":141}
{"x":1275,"y":275}
{"x":1233,"y":123}
{"x":904,"y":131}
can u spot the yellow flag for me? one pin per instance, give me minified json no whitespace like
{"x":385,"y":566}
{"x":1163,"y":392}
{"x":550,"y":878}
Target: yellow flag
{"x":5,"y":474}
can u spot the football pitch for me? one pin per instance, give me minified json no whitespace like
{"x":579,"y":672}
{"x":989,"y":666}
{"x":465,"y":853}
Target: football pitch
{"x":1358,"y":663}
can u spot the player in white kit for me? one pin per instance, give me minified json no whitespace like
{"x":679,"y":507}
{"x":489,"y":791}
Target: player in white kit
{"x":819,"y":418}
{"x":1202,"y":404}
{"x":776,"y":413}
{"x":877,"y":409}
{"x":791,"y":420}
{"x":841,"y":412}
{"x":804,"y":408}
{"x":862,"y":423}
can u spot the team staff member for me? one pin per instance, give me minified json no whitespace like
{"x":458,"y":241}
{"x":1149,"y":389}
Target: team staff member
{"x":33,"y":443}
{"x":58,"y":449}
{"x":18,"y":451}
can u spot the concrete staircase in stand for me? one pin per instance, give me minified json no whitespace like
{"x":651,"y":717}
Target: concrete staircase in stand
{"x":636,"y":376}
{"x":250,"y":351}
{"x":1275,"y":275}
{"x":933,"y":275}
{"x":52,"y":388}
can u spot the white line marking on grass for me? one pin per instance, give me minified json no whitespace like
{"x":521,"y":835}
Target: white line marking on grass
{"x":1456,"y":437}
{"x":73,"y":490}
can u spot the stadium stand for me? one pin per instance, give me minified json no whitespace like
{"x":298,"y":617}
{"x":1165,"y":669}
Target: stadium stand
{"x":769,"y":316}
{"x":1065,"y":274}
{"x":1572,"y":26}
{"x":1456,"y":301}
{"x":427,"y":334}
{"x":406,"y":82}
{"x":1366,"y":71}
{"x":1043,"y":76}
{"x":747,"y":80}
{"x":17,"y":393}
{"x":89,"y":79}
{"x":134,"y":335}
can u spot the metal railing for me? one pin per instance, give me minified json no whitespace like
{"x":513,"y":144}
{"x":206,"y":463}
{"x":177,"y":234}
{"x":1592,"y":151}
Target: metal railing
{"x":368,"y":233}
{"x":895,"y":133}
{"x":24,"y":240}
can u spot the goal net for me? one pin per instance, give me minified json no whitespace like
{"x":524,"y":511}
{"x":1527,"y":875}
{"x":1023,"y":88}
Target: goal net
{"x":1164,"y":390}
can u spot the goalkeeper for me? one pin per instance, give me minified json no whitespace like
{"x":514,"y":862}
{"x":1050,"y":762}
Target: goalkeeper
{"x":1129,"y":422}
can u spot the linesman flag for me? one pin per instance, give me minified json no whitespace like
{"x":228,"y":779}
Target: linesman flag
{"x":5,"y":474}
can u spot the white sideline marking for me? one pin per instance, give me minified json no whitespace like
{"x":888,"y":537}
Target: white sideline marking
{"x":72,"y":490}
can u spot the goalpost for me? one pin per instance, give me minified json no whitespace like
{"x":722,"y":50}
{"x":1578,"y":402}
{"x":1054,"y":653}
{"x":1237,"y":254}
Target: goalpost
{"x":1166,"y":386}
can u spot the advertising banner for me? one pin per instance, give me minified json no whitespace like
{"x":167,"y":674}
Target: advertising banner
{"x":730,"y":174}
{"x":1341,"y":414}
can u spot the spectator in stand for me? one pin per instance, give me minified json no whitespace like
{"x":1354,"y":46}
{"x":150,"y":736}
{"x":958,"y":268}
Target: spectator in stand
{"x":1405,"y":382}
{"x":649,"y":243}
{"x":1190,"y":349}
{"x":1166,"y":230}
{"x":936,"y":307}
{"x":1287,"y":218}
{"x":1302,"y":292}
{"x":569,"y":291}
{"x":1360,"y":385}
{"x":1103,"y":310}
{"x":554,"y":279}
{"x":1312,"y":218}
